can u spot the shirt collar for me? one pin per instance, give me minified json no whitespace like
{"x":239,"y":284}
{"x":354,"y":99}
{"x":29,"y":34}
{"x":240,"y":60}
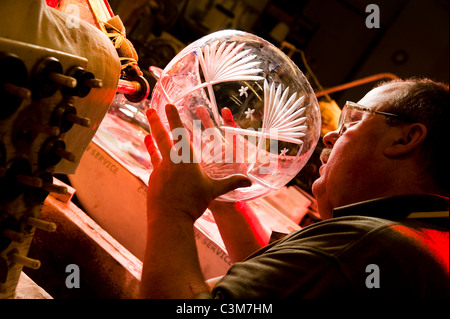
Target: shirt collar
{"x":418,"y":206}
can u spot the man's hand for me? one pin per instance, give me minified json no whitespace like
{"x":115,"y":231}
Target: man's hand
{"x":177,"y":195}
{"x":182,"y":186}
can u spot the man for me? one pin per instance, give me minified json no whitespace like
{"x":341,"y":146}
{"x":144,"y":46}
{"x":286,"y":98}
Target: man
{"x":381,"y":195}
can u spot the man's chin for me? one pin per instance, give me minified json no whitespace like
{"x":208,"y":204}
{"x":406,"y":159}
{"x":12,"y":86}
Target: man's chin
{"x":319,"y":196}
{"x":315,"y":186}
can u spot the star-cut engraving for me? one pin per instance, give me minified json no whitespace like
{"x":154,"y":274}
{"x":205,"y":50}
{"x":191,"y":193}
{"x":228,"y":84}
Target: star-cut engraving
{"x":243,"y":91}
{"x":249,"y":113}
{"x":284,"y":151}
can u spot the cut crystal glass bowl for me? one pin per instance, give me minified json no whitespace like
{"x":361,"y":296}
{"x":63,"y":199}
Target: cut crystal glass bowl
{"x":248,"y":109}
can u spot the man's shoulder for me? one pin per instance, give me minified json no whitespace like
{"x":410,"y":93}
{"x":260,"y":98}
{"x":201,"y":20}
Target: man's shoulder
{"x":335,"y":234}
{"x":351,"y":226}
{"x":346,"y":234}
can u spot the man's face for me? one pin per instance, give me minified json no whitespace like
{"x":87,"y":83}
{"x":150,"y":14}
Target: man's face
{"x":354,"y":167}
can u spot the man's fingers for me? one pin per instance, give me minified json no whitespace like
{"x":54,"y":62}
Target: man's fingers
{"x":159,"y":133}
{"x":173,"y":117}
{"x":204,"y":116}
{"x":228,"y":184}
{"x":206,"y":120}
{"x":152,"y":150}
{"x":179,"y":132}
{"x":227,"y":116}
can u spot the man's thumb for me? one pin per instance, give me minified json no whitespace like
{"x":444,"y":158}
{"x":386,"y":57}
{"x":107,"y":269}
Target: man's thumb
{"x":230,"y":183}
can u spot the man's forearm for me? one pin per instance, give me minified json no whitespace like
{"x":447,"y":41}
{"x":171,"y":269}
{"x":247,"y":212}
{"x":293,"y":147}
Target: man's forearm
{"x":240,"y":229}
{"x":171,"y":265}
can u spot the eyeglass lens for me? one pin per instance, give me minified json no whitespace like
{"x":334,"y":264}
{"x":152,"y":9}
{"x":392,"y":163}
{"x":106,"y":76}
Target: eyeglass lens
{"x":349,"y":117}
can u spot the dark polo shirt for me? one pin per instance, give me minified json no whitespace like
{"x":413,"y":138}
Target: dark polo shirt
{"x":385,"y":248}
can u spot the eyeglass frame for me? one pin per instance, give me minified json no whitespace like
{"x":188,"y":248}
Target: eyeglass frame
{"x":358,"y":107}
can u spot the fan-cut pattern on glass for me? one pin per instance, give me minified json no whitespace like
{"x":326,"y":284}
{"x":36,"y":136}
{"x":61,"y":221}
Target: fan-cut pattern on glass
{"x":282,"y":117}
{"x":223,"y":64}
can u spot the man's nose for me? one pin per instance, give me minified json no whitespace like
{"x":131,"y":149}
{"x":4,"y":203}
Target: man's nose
{"x":330,"y":138}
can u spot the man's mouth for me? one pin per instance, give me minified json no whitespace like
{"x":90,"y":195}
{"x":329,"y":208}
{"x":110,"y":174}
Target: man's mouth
{"x":324,"y":155}
{"x":321,"y":168}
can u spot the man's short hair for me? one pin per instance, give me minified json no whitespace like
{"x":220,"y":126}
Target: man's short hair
{"x":427,"y":102}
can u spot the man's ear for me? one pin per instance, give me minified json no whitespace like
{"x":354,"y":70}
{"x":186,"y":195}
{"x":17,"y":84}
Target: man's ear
{"x":409,"y":138}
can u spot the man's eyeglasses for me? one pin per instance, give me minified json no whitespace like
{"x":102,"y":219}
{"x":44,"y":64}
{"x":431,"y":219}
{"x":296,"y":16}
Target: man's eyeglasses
{"x":352,"y":113}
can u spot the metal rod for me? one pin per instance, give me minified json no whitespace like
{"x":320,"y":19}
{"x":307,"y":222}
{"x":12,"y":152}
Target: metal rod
{"x":52,"y":188}
{"x":65,"y":154}
{"x":41,"y":224}
{"x":13,"y":235}
{"x":25,"y":261}
{"x":83,"y":121}
{"x":63,"y":79}
{"x":93,"y":83}
{"x":29,"y":181}
{"x":128,"y":87}
{"x":349,"y":85}
{"x":20,"y":92}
